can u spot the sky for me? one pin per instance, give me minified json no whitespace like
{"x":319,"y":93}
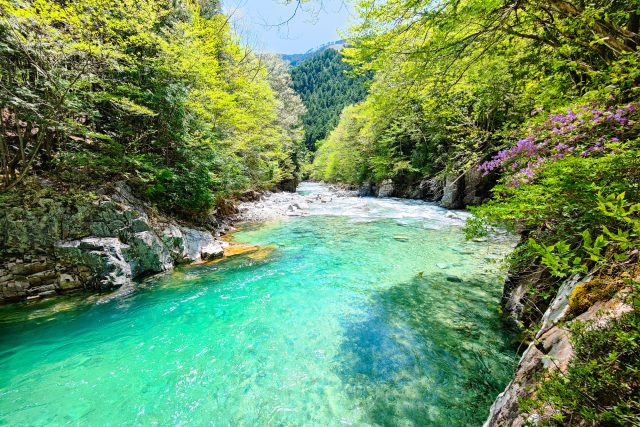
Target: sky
{"x":256,"y":21}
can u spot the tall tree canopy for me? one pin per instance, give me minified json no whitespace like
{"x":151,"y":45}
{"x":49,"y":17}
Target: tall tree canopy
{"x":157,"y":92}
{"x":453,"y":78}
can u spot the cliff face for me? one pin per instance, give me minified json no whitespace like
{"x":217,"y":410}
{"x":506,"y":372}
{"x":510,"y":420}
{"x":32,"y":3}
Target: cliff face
{"x":99,"y":244}
{"x":551,"y":348}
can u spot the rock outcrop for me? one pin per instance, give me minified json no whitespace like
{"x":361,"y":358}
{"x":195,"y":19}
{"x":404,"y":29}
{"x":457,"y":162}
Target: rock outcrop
{"x":386,"y":188}
{"x":550,"y":350}
{"x":100,"y":244}
{"x":453,"y":191}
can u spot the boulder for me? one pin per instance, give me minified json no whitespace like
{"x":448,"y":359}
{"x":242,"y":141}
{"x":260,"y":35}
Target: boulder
{"x":289,"y":185}
{"x":431,"y":189}
{"x":366,"y":190}
{"x":474,"y":184}
{"x":212,"y":251}
{"x":386,"y":188}
{"x":453,"y":192}
{"x":147,"y":254}
{"x":302,"y":205}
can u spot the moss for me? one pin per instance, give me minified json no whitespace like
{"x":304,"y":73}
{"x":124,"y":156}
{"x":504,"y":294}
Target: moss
{"x":601,"y":386}
{"x":587,"y":294}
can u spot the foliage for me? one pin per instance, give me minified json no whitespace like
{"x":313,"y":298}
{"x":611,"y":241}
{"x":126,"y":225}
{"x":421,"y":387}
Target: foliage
{"x":454,"y":79}
{"x":156,"y":92}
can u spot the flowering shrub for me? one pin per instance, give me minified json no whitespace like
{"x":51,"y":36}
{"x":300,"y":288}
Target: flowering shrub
{"x":588,"y":131}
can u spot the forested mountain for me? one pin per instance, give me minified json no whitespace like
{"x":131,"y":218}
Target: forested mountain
{"x":296,"y":58}
{"x":161,"y":96}
{"x":325,"y":88}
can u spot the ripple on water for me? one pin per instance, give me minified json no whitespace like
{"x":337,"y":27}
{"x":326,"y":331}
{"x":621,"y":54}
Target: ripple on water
{"x":340,"y":323}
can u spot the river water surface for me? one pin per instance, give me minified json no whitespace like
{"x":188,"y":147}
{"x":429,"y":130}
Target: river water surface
{"x":364,"y":312}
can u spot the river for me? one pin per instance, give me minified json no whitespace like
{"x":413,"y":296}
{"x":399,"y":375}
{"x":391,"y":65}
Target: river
{"x":361,"y":312}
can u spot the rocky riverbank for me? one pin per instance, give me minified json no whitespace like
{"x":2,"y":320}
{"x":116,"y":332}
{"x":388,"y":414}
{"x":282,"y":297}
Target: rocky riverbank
{"x":451,"y":191}
{"x":550,"y":349}
{"x":101,"y":243}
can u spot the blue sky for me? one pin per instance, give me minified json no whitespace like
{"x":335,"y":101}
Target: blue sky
{"x":256,"y":23}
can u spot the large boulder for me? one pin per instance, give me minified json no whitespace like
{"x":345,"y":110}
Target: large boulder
{"x":474,"y":187}
{"x":289,"y":185}
{"x":453,"y":192}
{"x":147,"y":254}
{"x":386,"y":188}
{"x":431,"y":189}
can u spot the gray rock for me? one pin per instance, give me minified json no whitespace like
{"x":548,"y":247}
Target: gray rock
{"x":147,"y":254}
{"x":302,"y":205}
{"x":473,"y":182}
{"x":452,"y":196}
{"x":430,"y":189}
{"x":103,"y":256}
{"x":386,"y":188}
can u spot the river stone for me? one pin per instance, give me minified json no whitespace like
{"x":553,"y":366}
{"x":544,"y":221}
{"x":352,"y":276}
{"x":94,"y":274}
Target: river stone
{"x":212,"y":251}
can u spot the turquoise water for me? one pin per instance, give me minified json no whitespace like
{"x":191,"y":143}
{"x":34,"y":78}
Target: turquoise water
{"x":367,"y":312}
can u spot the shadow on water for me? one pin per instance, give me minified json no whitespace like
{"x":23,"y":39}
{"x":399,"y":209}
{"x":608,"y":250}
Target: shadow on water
{"x":430,"y":352}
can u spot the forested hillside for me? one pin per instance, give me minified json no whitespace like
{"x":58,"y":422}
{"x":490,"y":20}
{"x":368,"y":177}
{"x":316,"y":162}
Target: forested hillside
{"x":162,"y":97}
{"x":296,"y":58}
{"x":542,"y":97}
{"x":326,"y":88}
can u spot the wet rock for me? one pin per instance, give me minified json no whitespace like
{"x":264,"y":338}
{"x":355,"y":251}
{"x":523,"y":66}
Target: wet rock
{"x":301,"y":204}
